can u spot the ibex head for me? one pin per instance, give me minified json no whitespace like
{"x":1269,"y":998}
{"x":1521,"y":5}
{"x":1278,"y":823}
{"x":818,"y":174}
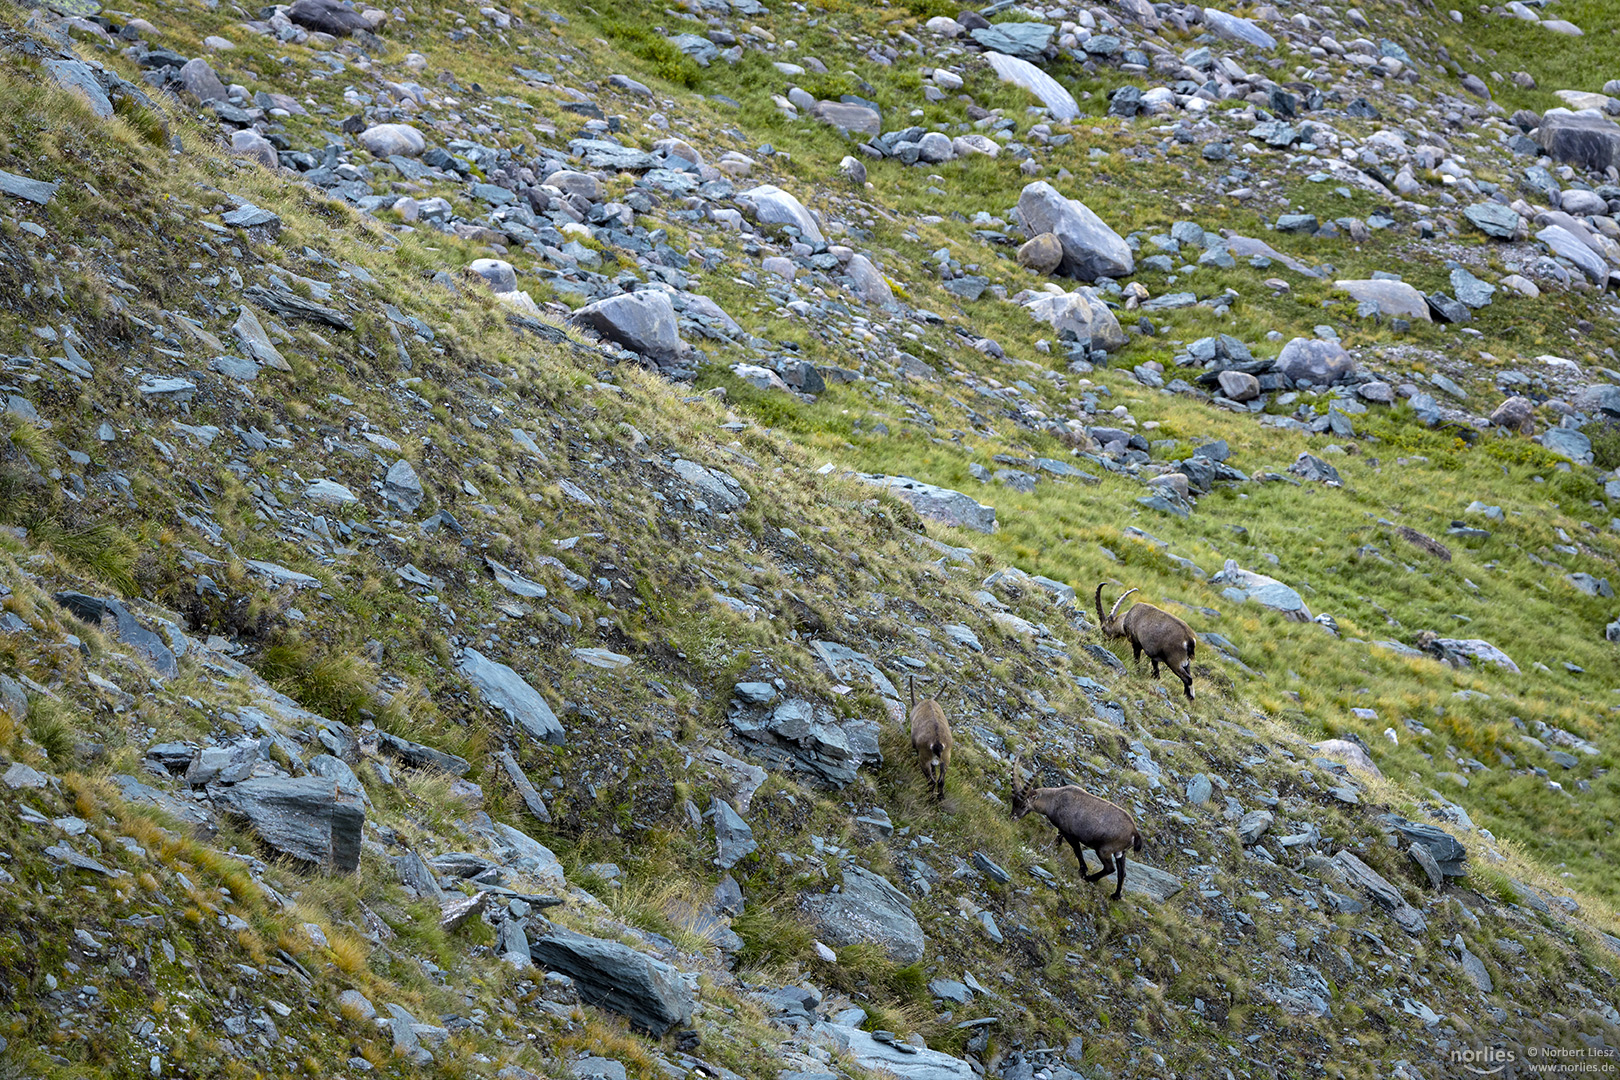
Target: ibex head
{"x":1109,"y":625}
{"x":1019,"y":791}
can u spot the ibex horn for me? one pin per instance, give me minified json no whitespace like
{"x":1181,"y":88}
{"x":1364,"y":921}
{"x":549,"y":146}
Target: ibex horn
{"x":1120,"y":601}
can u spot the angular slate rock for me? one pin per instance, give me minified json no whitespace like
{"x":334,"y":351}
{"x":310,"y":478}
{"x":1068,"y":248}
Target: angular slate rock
{"x":80,"y":78}
{"x":1394,"y":298}
{"x":422,"y":757}
{"x":647,"y":992}
{"x":1359,"y":874}
{"x":1082,"y":314}
{"x":306,"y":818}
{"x":721,"y":488}
{"x":732,"y":835}
{"x":21,"y":187}
{"x":1023,"y":41}
{"x":403,"y":487}
{"x":1567,"y":245}
{"x":148,"y":644}
{"x":888,"y":1059}
{"x":1494,"y":219}
{"x":504,"y":689}
{"x":526,"y":790}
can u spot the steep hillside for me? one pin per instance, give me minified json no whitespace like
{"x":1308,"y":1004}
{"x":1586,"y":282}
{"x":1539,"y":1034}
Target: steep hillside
{"x":482,"y":487}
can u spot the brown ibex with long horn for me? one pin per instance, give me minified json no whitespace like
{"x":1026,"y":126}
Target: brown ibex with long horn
{"x":1085,"y":821}
{"x":1165,"y":638}
{"x":930,"y":738}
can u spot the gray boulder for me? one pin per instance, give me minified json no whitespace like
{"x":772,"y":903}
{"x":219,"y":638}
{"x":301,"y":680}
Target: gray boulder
{"x":78,"y":77}
{"x":1042,"y":254}
{"x":1494,"y":219}
{"x":849,"y":117}
{"x":1310,"y":467}
{"x":852,"y":665}
{"x":418,"y":756}
{"x":255,"y":147}
{"x":721,"y":488}
{"x":149,"y":645}
{"x":647,"y":992}
{"x":504,"y":689}
{"x":939,"y":504}
{"x":1585,"y":138}
{"x":1262,"y":590}
{"x":393,"y":140}
{"x":1461,"y":652}
{"x":1569,"y":443}
{"x":1516,"y":414}
{"x":773,"y":206}
{"x":327,"y":17}
{"x":199,"y":80}
{"x":643,"y":322}
{"x":571,"y":182}
{"x":801,"y":737}
{"x":697,"y":47}
{"x":1239,"y":385}
{"x":866,"y":282}
{"x":308,"y":818}
{"x":1082,"y":314}
{"x":500,"y":275}
{"x":1255,"y":824}
{"x":1322,"y":362}
{"x":1394,"y":298}
{"x":1010,"y":69}
{"x":869,"y":910}
{"x":1235,"y":28}
{"x":1024,"y":41}
{"x":1151,"y":883}
{"x":1090,"y":248}
{"x":1599,"y":397}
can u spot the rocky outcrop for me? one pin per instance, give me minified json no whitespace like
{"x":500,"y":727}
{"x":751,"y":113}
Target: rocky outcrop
{"x":939,"y":504}
{"x":801,"y":737}
{"x":869,"y":910}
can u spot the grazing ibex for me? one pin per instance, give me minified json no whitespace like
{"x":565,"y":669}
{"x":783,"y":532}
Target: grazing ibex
{"x":1158,"y":633}
{"x":931,"y":738}
{"x":1085,"y":821}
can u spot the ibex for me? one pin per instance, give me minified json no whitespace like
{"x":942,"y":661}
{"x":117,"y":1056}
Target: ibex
{"x":1158,"y":633}
{"x":931,"y":738}
{"x":1085,"y":821}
